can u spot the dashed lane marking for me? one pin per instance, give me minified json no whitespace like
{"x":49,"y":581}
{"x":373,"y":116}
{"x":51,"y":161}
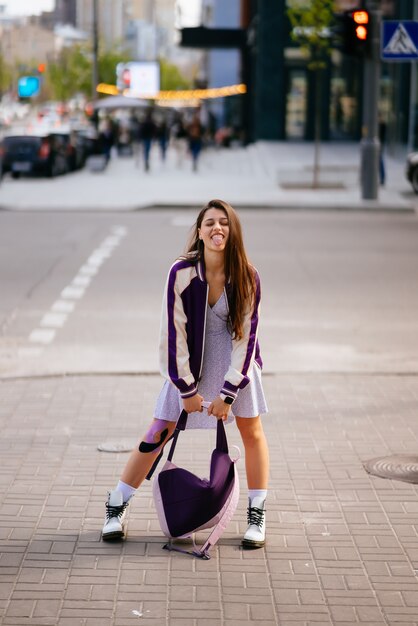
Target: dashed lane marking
{"x":59,"y":312}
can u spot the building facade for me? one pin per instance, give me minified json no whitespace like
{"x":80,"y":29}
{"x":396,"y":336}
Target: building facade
{"x":25,"y":44}
{"x":65,"y":12}
{"x":282,"y":90}
{"x":113,"y":18}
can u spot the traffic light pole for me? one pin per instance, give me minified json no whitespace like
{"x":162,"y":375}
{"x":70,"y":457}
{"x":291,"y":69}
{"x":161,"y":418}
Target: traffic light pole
{"x":95,"y":33}
{"x":370,"y":146}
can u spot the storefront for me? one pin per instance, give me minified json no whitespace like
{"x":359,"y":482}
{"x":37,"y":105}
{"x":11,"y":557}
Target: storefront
{"x":285,"y":90}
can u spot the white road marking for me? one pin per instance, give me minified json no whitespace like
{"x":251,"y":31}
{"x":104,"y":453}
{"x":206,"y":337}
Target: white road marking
{"x":63,"y":306}
{"x":59,"y":311}
{"x":95,"y":260}
{"x":72,"y":293}
{"x":42,"y":335}
{"x":121,"y":231}
{"x":111,"y":242}
{"x":81,"y":281}
{"x":53,"y":320}
{"x":88,"y":270}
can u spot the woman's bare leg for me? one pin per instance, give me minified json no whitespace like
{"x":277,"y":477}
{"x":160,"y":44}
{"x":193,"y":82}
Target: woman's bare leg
{"x":256,"y":451}
{"x":140,"y":462}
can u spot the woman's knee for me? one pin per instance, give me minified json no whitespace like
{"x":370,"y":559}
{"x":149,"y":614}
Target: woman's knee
{"x":251,"y":429}
{"x":157,"y":435}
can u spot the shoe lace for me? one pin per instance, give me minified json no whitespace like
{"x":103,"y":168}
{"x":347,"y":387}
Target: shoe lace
{"x":115,"y":511}
{"x":255,"y":516}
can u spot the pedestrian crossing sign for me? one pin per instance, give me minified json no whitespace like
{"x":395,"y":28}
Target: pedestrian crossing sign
{"x":399,"y":40}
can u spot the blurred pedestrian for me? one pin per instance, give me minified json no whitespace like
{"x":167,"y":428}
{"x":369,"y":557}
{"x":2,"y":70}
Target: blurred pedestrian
{"x":162,"y":138}
{"x":106,"y":139}
{"x":209,"y":351}
{"x":382,"y":140}
{"x":195,"y":137}
{"x":179,"y":137}
{"x":147,"y":133}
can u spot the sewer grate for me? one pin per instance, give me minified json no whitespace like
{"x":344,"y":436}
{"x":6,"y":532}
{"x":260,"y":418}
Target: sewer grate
{"x":397,"y":467}
{"x":116,"y":446}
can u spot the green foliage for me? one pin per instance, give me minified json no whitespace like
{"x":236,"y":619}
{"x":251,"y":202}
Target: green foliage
{"x":171,"y":77}
{"x":70,"y":73}
{"x":5,"y":75}
{"x":311,"y":21}
{"x":108,"y":60}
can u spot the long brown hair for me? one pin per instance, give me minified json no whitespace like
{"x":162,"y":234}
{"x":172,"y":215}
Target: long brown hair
{"x":239,"y":274}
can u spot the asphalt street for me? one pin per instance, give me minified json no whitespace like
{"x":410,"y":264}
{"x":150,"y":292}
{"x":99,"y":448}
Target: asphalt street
{"x":340,"y":290}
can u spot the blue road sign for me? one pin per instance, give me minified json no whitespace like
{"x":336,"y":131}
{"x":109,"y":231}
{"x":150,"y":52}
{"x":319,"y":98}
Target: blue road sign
{"x":28,"y":86}
{"x":399,"y":40}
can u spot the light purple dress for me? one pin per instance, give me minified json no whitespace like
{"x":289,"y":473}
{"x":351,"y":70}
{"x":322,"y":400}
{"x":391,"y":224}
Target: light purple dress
{"x":216,"y":361}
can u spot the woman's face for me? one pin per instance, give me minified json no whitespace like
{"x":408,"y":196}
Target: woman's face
{"x":214,"y":230}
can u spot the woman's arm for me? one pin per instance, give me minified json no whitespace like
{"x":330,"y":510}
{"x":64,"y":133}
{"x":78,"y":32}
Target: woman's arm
{"x":174,"y":352}
{"x":243,"y":350}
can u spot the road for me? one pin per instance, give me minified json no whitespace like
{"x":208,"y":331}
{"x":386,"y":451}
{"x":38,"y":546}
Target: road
{"x":81,"y":292}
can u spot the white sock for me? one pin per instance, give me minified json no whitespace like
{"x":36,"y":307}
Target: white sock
{"x":126,"y":490}
{"x":257,"y":493}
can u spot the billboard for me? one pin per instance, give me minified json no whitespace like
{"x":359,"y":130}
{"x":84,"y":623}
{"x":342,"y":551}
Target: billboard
{"x":28,"y":86}
{"x":139,"y":78}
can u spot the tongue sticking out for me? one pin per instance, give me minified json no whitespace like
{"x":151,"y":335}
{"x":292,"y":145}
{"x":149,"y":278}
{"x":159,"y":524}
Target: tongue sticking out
{"x":217,"y":240}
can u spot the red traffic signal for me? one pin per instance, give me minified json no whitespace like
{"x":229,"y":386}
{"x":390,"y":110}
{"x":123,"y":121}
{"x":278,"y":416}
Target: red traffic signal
{"x":352,"y":32}
{"x":41,"y":68}
{"x":361,"y":20}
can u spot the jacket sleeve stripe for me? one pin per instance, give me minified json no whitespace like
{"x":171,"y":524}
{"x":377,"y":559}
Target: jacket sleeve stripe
{"x":172,"y":335}
{"x":253,"y":333}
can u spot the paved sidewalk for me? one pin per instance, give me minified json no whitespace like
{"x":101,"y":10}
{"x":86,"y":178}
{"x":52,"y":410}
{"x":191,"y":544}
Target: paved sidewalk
{"x":342,"y":545}
{"x":265,"y":174}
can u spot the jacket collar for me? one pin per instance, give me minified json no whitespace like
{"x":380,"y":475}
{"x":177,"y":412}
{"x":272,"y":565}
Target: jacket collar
{"x":200,"y":268}
{"x":201,"y":271}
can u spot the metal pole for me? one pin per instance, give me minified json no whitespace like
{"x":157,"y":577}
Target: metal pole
{"x":370,"y":146}
{"x":412,"y":95}
{"x":95,"y":64}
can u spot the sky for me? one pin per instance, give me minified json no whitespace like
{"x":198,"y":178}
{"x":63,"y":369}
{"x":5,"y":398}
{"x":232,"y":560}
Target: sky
{"x":33,"y":7}
{"x":27,"y":7}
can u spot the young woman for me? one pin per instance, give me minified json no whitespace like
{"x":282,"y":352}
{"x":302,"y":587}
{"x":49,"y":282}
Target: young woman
{"x":208,"y":352}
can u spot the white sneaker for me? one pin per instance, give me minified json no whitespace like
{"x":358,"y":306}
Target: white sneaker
{"x":115,"y":515}
{"x":255,"y":537}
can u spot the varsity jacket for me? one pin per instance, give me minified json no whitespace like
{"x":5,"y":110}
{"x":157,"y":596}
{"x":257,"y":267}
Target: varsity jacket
{"x":183,"y":326}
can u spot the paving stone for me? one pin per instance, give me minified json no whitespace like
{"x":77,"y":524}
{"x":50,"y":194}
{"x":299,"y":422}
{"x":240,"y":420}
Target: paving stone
{"x":342,"y":546}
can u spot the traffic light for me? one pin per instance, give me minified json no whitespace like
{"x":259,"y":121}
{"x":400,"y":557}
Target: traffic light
{"x":352,"y":32}
{"x":41,"y":68}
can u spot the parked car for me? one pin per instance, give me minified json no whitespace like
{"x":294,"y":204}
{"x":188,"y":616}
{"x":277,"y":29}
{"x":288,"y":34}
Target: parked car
{"x":412,"y":170}
{"x":35,"y":154}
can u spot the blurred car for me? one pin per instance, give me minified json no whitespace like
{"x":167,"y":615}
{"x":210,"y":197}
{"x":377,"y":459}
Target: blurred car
{"x":412,"y":170}
{"x":34,"y":154}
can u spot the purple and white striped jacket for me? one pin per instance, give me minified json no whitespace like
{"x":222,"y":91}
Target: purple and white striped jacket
{"x":183,"y":325}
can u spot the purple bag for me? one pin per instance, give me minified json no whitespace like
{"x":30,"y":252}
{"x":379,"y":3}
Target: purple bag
{"x":186,"y":503}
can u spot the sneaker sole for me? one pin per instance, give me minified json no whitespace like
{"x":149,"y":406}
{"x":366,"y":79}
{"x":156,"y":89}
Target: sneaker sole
{"x":246,"y":543}
{"x":113,"y":536}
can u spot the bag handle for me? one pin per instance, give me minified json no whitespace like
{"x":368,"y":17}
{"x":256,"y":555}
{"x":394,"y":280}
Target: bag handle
{"x":221,"y":440}
{"x":181,"y":425}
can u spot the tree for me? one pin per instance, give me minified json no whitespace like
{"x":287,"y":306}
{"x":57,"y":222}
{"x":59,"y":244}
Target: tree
{"x":5,"y":76}
{"x":312,"y":22}
{"x":70,"y":73}
{"x":108,"y":60}
{"x":171,"y":77}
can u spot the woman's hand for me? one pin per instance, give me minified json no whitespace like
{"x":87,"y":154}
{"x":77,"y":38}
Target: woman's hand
{"x":219,"y":409}
{"x":193,"y":404}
